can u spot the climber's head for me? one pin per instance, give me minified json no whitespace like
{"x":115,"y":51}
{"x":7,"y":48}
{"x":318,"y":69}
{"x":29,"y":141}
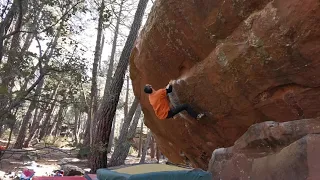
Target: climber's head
{"x":148,"y":89}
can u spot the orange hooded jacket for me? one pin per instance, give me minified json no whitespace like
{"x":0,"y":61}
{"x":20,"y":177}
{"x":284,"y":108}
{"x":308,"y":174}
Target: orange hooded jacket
{"x":160,"y":103}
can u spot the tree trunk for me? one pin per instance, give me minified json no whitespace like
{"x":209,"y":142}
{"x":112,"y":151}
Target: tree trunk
{"x":11,"y":126}
{"x":109,"y":105}
{"x":23,"y":129}
{"x":127,"y":98}
{"x":152,"y":148}
{"x":93,"y":95}
{"x":100,"y":55}
{"x":15,"y":54}
{"x":111,"y":139}
{"x":5,"y":24}
{"x":76,"y":124}
{"x":45,"y":123}
{"x":145,"y":148}
{"x":113,"y":52}
{"x":33,"y":27}
{"x":53,"y":126}
{"x":158,"y":153}
{"x":109,"y":74}
{"x":79,"y":130}
{"x":140,"y":139}
{"x":110,"y":66}
{"x":60,"y":117}
{"x":119,"y":155}
{"x":134,"y":124}
{"x":110,"y":70}
{"x":13,"y":65}
{"x":125,"y":109}
{"x":16,"y":102}
{"x":38,"y":117}
{"x":6,"y":72}
{"x":47,"y":56}
{"x":33,"y":126}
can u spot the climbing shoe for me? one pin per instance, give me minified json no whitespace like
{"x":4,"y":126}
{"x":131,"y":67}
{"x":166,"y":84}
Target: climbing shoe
{"x":200,"y":116}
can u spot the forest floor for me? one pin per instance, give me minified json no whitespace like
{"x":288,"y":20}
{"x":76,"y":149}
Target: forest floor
{"x":48,"y":159}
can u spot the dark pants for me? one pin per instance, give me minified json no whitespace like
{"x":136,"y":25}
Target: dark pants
{"x":180,"y":108}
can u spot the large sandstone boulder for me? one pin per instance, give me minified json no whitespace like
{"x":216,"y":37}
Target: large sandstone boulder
{"x":271,"y":151}
{"x":244,"y":61}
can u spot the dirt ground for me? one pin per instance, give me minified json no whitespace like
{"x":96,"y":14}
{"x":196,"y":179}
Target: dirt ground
{"x":46,"y":160}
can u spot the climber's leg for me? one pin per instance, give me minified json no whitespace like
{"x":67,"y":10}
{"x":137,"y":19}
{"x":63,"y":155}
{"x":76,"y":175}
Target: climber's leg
{"x":180,"y":108}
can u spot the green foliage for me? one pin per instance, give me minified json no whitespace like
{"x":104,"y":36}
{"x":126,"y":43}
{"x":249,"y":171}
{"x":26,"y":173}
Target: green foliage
{"x":10,"y":120}
{"x":106,"y":15}
{"x":6,"y":134}
{"x":64,"y":64}
{"x":3,"y":90}
{"x":132,"y":151}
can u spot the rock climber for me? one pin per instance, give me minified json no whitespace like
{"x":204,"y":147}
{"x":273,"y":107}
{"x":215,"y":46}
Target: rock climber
{"x":160,"y":103}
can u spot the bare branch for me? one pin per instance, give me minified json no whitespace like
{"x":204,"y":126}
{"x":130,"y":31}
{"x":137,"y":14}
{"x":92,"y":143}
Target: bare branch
{"x":40,"y":50}
{"x":4,"y":10}
{"x":46,"y":29}
{"x":18,"y":100}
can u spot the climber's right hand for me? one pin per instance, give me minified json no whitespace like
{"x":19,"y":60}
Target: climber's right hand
{"x":172,"y":82}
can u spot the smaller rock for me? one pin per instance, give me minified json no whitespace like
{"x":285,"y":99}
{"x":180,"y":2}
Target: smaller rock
{"x":29,"y":156}
{"x":271,"y":150}
{"x":71,"y":170}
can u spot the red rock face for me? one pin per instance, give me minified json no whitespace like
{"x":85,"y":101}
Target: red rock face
{"x":244,"y":61}
{"x":271,"y":150}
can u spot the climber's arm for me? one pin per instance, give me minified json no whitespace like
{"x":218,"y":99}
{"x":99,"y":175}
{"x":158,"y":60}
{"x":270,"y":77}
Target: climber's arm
{"x":169,"y":87}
